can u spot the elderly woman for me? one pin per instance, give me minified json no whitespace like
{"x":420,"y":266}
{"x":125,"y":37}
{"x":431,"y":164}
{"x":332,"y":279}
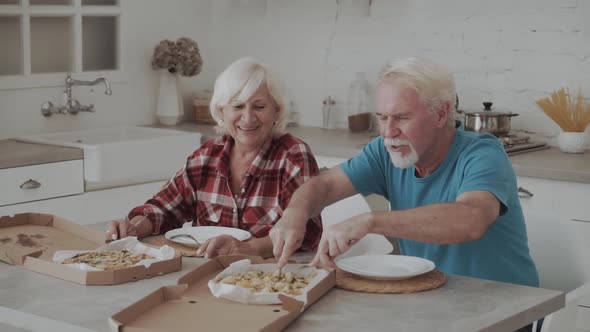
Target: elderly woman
{"x":243,"y":179}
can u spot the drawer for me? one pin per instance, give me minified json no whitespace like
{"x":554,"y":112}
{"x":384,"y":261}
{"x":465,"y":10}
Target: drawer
{"x":31,"y":183}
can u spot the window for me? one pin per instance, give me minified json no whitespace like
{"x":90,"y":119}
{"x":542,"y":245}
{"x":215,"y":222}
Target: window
{"x":43,"y":39}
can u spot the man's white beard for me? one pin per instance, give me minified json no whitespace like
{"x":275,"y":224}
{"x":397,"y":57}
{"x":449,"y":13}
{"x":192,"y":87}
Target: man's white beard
{"x":397,"y":159}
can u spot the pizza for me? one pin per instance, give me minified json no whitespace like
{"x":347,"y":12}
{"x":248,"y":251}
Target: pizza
{"x":108,"y":260}
{"x":266,"y":282}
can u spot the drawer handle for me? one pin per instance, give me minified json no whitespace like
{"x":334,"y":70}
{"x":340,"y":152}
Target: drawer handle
{"x":523,"y":193}
{"x":581,"y":220}
{"x":30,"y":184}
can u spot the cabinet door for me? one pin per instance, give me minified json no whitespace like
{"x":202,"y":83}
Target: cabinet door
{"x":70,"y":207}
{"x":109,"y":204}
{"x":91,"y":207}
{"x":560,"y":260}
{"x":555,"y":216}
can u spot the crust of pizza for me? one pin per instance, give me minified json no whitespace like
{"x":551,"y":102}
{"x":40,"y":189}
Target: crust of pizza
{"x":108,"y":260}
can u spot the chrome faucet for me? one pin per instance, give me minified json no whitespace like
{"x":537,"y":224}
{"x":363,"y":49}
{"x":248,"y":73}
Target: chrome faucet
{"x":72,"y":106}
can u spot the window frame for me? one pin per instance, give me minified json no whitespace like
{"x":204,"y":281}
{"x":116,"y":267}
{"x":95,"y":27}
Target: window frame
{"x":76,"y":11}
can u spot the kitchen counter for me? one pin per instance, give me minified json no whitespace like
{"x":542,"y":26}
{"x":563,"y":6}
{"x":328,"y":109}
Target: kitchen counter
{"x":550,"y":164}
{"x":16,"y":154}
{"x":461,"y":304}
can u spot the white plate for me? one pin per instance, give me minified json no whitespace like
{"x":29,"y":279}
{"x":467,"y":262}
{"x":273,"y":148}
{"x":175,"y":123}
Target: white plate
{"x":385,"y":267}
{"x":204,"y":233}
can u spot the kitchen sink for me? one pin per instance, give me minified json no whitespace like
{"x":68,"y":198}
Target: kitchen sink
{"x":120,"y":156}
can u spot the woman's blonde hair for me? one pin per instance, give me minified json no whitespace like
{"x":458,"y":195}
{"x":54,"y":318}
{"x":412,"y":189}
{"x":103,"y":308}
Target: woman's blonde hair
{"x":238,"y":82}
{"x":433,"y":82}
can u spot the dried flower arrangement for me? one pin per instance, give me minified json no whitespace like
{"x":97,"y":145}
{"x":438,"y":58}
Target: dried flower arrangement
{"x":569,"y":114}
{"x":181,"y":57}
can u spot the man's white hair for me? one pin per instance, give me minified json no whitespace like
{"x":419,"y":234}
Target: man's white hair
{"x":433,"y":82}
{"x":238,"y":82}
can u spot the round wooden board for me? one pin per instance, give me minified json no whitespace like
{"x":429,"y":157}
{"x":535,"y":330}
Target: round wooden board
{"x":427,"y":281}
{"x":160,"y":240}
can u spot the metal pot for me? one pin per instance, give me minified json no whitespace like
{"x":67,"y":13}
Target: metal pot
{"x":487,"y":121}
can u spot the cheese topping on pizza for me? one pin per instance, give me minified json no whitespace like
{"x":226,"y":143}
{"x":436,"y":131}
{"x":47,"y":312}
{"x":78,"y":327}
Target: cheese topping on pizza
{"x":265,"y":282}
{"x":108,"y":260}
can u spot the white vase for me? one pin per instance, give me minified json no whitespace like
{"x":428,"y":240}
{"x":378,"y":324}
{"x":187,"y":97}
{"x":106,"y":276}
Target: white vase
{"x":572,"y":142}
{"x":169,"y":109}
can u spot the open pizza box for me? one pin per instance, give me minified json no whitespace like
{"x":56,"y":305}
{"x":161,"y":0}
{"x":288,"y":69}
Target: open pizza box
{"x":29,"y":240}
{"x":190,"y":305}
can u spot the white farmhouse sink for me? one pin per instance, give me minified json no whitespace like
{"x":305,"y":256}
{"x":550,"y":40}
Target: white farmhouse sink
{"x":125,"y":155}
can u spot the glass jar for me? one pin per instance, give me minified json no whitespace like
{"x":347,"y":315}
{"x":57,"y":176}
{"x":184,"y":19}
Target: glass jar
{"x":359,"y":118}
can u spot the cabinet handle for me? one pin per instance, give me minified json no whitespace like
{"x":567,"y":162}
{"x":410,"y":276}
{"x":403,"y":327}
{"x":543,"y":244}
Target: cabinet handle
{"x":30,"y":184}
{"x":581,"y":220}
{"x":523,"y":193}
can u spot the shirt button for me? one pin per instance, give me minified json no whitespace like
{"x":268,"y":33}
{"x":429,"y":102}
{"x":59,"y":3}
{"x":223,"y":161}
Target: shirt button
{"x":235,"y":210}
{"x":243,"y":190}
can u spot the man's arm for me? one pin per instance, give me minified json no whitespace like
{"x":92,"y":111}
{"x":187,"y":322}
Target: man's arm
{"x":467,"y":219}
{"x":307,"y":202}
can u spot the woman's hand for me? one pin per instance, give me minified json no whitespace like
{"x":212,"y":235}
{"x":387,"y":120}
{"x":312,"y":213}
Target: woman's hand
{"x":139,"y":226}
{"x":225,"y":245}
{"x":228,"y":245}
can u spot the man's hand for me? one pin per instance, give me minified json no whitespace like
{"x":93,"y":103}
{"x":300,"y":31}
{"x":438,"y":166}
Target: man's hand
{"x":338,"y":238}
{"x":225,"y":245}
{"x":287,"y":235}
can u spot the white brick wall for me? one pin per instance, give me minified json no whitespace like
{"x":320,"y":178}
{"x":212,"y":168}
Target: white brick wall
{"x":508,"y":51}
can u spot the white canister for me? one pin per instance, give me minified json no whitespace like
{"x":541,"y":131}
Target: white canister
{"x":572,"y":142}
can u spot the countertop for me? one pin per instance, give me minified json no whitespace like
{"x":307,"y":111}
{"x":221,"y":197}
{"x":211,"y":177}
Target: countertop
{"x":461,"y":304}
{"x":16,"y":154}
{"x":548,"y":164}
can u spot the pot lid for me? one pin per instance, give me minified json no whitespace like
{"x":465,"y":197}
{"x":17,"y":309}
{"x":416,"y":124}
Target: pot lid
{"x":487,"y":112}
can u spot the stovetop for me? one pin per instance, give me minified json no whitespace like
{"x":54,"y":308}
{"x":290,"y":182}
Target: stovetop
{"x":516,"y":144}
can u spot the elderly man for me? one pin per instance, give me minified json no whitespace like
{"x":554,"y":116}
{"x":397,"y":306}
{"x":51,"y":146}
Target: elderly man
{"x":453,"y":193}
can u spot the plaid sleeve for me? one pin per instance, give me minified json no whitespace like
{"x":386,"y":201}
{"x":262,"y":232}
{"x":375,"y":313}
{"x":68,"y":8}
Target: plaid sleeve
{"x":301,"y":166}
{"x":172,"y":205}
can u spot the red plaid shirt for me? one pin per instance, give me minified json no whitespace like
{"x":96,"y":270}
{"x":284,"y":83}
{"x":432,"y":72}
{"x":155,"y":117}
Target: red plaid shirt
{"x":200,"y":192}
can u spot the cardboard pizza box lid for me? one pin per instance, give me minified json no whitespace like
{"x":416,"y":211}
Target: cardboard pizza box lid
{"x":191,"y":306}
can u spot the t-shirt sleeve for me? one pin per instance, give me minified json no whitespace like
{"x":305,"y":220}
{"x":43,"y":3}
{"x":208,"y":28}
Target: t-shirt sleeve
{"x":486,"y":167}
{"x":366,"y":171}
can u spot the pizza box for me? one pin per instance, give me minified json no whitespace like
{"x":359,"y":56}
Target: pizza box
{"x":189,"y":305}
{"x":29,"y":240}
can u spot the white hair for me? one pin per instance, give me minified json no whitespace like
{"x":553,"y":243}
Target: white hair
{"x":238,"y":82}
{"x":433,"y":82}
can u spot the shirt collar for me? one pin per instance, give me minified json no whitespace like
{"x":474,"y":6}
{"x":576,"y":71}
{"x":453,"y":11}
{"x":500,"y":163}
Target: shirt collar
{"x":257,"y":165}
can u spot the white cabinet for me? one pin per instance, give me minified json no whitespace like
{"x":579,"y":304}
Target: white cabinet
{"x":558,"y":224}
{"x":557,"y":216}
{"x":91,"y":207}
{"x":376,"y":202}
{"x":37,"y":182}
{"x":328,"y":162}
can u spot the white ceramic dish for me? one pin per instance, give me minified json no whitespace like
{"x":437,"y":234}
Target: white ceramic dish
{"x":385,"y":267}
{"x":204,"y":233}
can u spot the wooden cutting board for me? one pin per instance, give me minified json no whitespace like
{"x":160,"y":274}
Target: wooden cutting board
{"x":423,"y":282}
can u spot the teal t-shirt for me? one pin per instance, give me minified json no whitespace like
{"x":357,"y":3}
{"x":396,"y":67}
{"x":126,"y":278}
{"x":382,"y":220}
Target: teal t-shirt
{"x":474,"y":162}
